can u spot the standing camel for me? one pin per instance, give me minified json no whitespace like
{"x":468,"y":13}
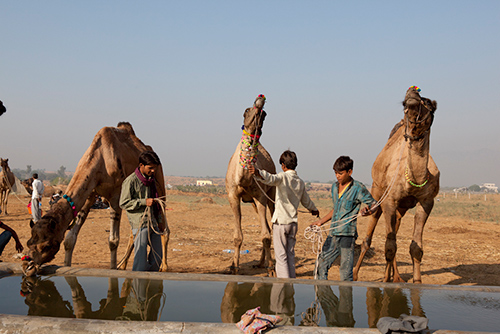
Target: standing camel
{"x":7,"y":180}
{"x":112,"y":156}
{"x":405,"y":175}
{"x":241,"y":185}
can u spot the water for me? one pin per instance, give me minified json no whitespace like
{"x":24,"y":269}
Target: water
{"x":207,"y":301}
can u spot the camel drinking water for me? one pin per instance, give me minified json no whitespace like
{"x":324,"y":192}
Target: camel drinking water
{"x":7,"y":180}
{"x":404,"y":176}
{"x":112,"y":156}
{"x":241,"y":185}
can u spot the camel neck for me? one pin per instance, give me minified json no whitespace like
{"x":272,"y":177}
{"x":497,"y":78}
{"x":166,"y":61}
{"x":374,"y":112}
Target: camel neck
{"x":418,"y":159}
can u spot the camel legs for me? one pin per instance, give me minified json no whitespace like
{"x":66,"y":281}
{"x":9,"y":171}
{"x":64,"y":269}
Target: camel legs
{"x":238,"y":234}
{"x":365,"y":246}
{"x":416,"y":247}
{"x":72,"y":235}
{"x":115,"y":214}
{"x":122,"y":265}
{"x":4,"y":200}
{"x":393,"y":221}
{"x":265,"y":234}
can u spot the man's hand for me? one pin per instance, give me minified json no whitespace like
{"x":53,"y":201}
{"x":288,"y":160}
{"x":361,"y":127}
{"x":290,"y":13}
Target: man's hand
{"x":19,"y":247}
{"x":315,"y":213}
{"x":149,"y":201}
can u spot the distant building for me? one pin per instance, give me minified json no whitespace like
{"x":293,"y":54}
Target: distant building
{"x":201,"y":183}
{"x":489,"y":187}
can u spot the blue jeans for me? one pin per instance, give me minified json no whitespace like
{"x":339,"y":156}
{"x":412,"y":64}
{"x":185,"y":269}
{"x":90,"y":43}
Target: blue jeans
{"x":4,"y":240}
{"x":142,"y":260}
{"x":332,"y":248}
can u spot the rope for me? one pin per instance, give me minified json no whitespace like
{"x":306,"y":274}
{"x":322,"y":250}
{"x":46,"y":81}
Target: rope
{"x":313,"y":233}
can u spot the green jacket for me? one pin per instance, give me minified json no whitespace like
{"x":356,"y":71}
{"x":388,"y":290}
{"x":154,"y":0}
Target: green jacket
{"x":133,"y":201}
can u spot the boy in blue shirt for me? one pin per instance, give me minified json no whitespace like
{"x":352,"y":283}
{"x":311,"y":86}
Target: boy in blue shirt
{"x":347,"y":195}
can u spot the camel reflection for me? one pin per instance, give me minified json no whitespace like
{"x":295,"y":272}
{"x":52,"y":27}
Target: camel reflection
{"x":140,"y":299}
{"x":276,"y":299}
{"x":391,"y":302}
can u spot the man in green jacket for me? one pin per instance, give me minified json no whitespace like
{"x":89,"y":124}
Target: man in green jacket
{"x":138,"y":193}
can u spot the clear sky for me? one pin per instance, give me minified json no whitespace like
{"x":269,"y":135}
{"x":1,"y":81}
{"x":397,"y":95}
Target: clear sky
{"x":183,"y":72}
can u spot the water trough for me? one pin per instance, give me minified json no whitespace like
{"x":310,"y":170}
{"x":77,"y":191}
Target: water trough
{"x":77,"y":300}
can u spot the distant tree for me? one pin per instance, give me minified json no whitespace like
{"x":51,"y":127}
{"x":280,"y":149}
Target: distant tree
{"x":62,"y":172}
{"x":28,"y":170}
{"x":474,"y":188}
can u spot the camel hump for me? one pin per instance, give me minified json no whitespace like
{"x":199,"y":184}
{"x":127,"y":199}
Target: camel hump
{"x":396,"y":128}
{"x":126,"y":126}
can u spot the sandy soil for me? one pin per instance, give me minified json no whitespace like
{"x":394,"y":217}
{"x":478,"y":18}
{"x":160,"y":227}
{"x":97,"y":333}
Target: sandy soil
{"x":456,"y":252}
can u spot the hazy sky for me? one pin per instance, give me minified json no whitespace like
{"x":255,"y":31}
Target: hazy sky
{"x":183,"y":72}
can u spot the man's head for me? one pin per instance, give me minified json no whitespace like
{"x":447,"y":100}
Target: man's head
{"x":289,"y":159}
{"x":35,"y":176}
{"x":343,"y":169}
{"x":148,"y":162}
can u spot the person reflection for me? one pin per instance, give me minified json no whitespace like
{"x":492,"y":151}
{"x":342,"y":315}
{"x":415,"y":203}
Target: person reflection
{"x":338,"y":311}
{"x":143,"y":300}
{"x":282,"y":303}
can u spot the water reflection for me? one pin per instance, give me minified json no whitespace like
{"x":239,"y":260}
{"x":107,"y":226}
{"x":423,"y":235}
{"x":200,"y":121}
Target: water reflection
{"x":139,"y":299}
{"x":391,"y":302}
{"x":297,"y":305}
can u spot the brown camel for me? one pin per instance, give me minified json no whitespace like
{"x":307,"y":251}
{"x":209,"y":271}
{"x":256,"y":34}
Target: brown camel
{"x":404,"y":176}
{"x":241,"y":185}
{"x":112,"y":156}
{"x":7,"y":180}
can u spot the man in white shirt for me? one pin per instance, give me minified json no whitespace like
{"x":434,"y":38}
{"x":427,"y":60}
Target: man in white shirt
{"x":36,"y":198}
{"x":290,"y":192}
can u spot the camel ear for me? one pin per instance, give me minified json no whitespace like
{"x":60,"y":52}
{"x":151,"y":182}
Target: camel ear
{"x":31,"y":223}
{"x":434,"y":105}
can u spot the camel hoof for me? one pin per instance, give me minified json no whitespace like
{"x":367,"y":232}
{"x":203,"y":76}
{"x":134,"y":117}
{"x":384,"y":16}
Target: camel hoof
{"x":417,"y":281}
{"x":163,"y":268}
{"x":271,"y":272}
{"x":398,"y":280}
{"x":234,"y":270}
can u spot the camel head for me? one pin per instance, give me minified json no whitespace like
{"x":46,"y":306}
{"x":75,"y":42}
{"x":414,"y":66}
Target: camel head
{"x":254,"y":117}
{"x":45,"y":241}
{"x":4,"y":164}
{"x":419,"y":114}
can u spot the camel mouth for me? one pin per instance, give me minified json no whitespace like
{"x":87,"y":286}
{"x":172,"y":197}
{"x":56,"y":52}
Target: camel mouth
{"x":30,"y":268}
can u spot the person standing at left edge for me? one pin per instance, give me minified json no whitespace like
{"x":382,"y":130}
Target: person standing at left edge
{"x":138,"y":193}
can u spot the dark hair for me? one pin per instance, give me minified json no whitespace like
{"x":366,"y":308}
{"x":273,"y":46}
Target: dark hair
{"x":289,"y":158}
{"x":35,"y":175}
{"x":343,"y":163}
{"x":149,"y":158}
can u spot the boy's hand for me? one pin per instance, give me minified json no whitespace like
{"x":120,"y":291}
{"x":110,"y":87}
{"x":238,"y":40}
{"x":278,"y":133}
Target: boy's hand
{"x":253,"y":170}
{"x":366,"y":211}
{"x":316,"y":223}
{"x":315,"y":213}
{"x":149,"y":201}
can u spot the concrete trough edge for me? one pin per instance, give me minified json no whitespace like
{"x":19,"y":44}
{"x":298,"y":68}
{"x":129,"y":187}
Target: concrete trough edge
{"x":41,"y":325}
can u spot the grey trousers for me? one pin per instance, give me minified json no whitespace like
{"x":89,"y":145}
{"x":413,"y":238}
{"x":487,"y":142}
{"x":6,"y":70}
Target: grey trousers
{"x":36,"y":209}
{"x":144,"y":260}
{"x":284,"y":249}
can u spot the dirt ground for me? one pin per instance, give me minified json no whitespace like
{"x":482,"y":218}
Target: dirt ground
{"x":456,"y":252}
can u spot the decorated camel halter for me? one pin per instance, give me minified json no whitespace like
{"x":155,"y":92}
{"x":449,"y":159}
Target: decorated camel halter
{"x":248,"y":148}
{"x":71,"y":204}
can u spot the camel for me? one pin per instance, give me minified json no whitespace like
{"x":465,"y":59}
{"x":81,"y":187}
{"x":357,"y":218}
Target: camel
{"x":112,"y":156}
{"x":404,"y":174}
{"x":241,"y":185}
{"x":7,"y":180}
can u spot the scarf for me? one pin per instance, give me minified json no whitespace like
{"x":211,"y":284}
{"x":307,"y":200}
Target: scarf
{"x":151,"y":184}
